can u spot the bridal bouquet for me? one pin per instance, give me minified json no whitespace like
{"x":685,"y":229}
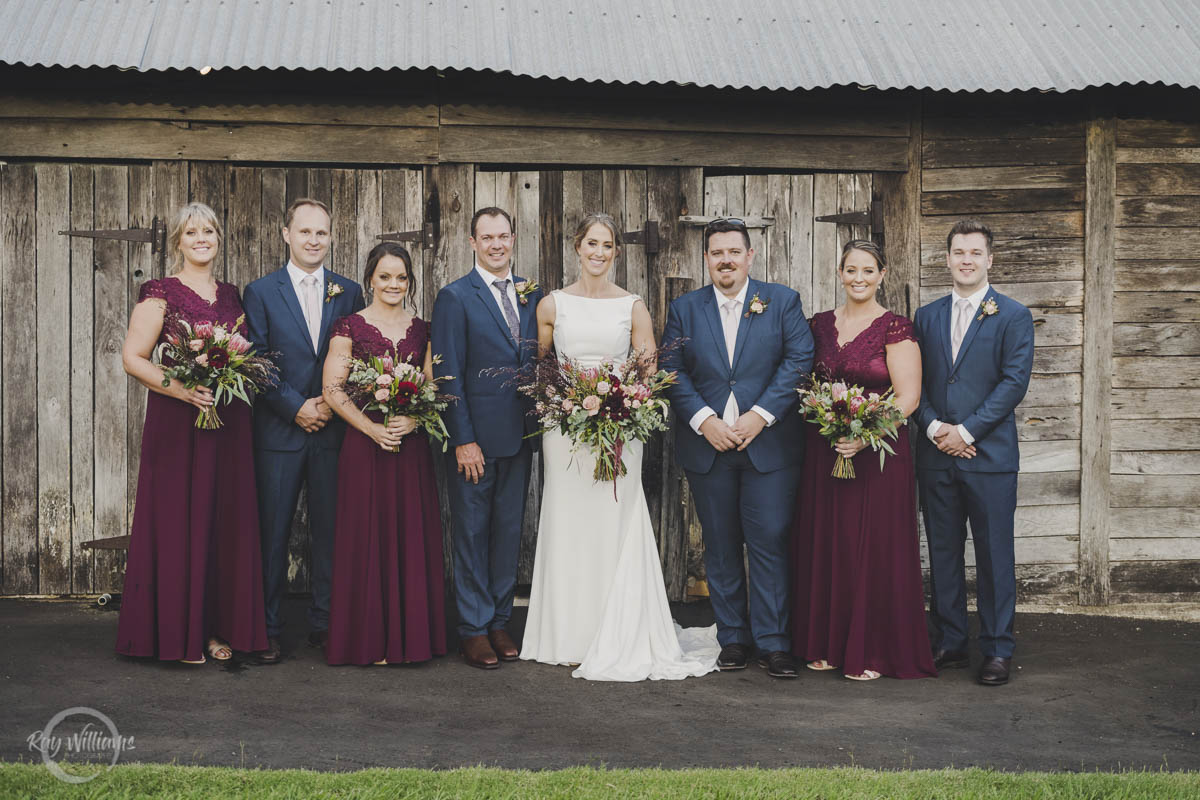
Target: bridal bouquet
{"x":207,"y":354}
{"x":600,"y":408}
{"x":395,"y":388}
{"x":845,"y":411}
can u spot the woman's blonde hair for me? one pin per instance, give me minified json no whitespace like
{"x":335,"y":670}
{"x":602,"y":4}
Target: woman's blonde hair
{"x":598,"y":218}
{"x":196,"y":211}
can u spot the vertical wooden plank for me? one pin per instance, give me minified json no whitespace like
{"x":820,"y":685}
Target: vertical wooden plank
{"x":297,"y":184}
{"x":1099,"y":272}
{"x":757,"y":202}
{"x":18,"y":239}
{"x":344,"y":257}
{"x":525,"y":193}
{"x":572,"y":214}
{"x":826,"y":244}
{"x":210,"y":185}
{"x":271,"y":246}
{"x":110,"y":442}
{"x":901,"y":196}
{"x":320,"y":185}
{"x":414,"y":219}
{"x":368,"y":220}
{"x":392,"y":218}
{"x":53,"y":307}
{"x":82,"y":353}
{"x":243,"y":256}
{"x":550,"y":231}
{"x":170,"y":195}
{"x":141,"y":266}
{"x":613,"y":202}
{"x":485,"y":189}
{"x":800,"y":239}
{"x":635,"y":259}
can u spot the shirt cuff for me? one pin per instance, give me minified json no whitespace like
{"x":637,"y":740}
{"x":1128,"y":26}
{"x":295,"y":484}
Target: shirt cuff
{"x":965,"y":434}
{"x":699,"y":417}
{"x":933,"y":429}
{"x":767,"y":415}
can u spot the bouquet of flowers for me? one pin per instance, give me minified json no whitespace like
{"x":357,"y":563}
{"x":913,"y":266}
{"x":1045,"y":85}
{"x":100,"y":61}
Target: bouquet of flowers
{"x":207,"y":354}
{"x":397,"y":388}
{"x":845,"y":411}
{"x":600,"y":408}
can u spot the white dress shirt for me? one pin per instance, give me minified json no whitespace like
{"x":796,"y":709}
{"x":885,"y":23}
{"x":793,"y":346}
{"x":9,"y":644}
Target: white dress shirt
{"x":297,"y":275}
{"x":488,"y":277}
{"x":729,"y":326}
{"x":975,"y":300}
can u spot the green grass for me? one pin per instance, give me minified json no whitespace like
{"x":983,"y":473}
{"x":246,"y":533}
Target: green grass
{"x":167,"y":781}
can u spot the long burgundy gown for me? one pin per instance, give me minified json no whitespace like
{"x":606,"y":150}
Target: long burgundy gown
{"x":194,"y":569}
{"x":388,"y":597}
{"x":858,"y":602}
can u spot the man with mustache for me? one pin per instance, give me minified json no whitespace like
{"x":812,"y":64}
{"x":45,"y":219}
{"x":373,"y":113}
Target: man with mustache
{"x":746,"y":347}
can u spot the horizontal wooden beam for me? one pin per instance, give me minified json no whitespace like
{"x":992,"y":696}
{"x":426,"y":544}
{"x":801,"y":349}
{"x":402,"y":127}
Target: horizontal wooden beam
{"x":1158,"y":155}
{"x":1157,"y":243}
{"x":941,"y":153}
{"x":1138,"y":435}
{"x":979,"y":178}
{"x":1158,"y":179}
{"x":528,"y":145}
{"x":1156,"y":307}
{"x":1166,"y":372}
{"x":1002,"y":200}
{"x":1152,"y":462}
{"x":1155,"y":403}
{"x":1165,"y":210}
{"x":1156,"y":339}
{"x":1157,"y":133}
{"x":1039,"y":225}
{"x":135,"y":139}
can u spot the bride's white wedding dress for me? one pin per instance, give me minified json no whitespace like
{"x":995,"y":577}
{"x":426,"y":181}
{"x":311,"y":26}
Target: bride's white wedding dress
{"x":598,"y":597}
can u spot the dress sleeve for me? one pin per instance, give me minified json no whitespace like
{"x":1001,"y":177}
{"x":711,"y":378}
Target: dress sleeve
{"x":342,"y":327}
{"x":153,"y":288}
{"x":899,"y":329}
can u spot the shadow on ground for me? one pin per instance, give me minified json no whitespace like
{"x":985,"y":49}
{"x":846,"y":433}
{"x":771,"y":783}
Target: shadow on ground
{"x":1090,"y":693}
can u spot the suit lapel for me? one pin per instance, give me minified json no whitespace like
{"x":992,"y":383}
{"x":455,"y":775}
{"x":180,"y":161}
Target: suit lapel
{"x":488,"y":298}
{"x":712,"y":313}
{"x":744,"y":323}
{"x":288,"y":292}
{"x":941,"y":326}
{"x":326,"y":309}
{"x":973,"y":328}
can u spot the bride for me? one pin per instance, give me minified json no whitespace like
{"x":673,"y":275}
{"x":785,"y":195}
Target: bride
{"x":598,"y":598}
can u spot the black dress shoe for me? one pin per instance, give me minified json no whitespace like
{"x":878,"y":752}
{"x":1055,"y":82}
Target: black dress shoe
{"x":272,"y":655}
{"x":994,"y":671}
{"x":951,"y":659}
{"x":733,"y":656}
{"x":318,"y":638}
{"x":779,"y":664}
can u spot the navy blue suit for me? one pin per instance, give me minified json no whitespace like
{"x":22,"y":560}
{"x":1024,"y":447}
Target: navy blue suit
{"x":471,"y":336}
{"x":285,"y":456}
{"x":979,"y":390}
{"x":743,"y":497}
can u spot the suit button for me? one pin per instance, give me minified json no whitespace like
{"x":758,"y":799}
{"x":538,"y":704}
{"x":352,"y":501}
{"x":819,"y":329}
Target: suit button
{"x":952,"y":380}
{"x":731,"y":383}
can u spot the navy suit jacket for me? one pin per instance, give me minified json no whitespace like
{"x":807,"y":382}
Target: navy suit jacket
{"x":470,"y":335}
{"x":277,"y":328}
{"x":772,"y":356}
{"x":981,"y":389}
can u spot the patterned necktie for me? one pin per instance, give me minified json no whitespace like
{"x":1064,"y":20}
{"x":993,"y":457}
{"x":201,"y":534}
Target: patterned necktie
{"x":510,"y":313}
{"x":312,"y":308}
{"x":962,"y":317}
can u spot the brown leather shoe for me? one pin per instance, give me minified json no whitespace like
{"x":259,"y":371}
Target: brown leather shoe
{"x":272,"y":655}
{"x":478,"y":653}
{"x":503,"y":644}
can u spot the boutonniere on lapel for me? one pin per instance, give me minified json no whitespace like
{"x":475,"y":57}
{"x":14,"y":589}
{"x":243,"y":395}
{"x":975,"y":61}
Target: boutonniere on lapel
{"x":987,"y":308}
{"x":524,"y":289}
{"x":757,"y":306}
{"x":332,"y":290}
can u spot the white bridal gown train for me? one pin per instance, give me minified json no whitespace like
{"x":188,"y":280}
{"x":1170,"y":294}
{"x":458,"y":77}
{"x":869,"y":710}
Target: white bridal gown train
{"x":598,"y":597}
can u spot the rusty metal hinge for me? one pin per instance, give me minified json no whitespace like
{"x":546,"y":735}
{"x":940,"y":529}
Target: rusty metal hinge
{"x":872,"y":217}
{"x":648,"y":236}
{"x":156,"y":235}
{"x":424,"y":236}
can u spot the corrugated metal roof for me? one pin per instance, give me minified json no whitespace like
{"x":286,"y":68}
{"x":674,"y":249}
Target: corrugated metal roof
{"x":776,"y":44}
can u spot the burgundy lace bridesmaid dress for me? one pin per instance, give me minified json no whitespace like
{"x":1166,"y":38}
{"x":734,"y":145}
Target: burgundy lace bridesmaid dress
{"x":858,"y":602}
{"x":194,"y":569}
{"x":388,"y":598}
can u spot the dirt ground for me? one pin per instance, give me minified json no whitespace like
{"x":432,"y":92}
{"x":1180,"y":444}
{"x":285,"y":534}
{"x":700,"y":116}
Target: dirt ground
{"x":1089,"y":692}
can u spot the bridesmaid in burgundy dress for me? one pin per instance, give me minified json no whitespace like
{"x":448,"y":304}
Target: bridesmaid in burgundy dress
{"x":388,"y":600}
{"x":858,"y":603}
{"x":193,"y":580}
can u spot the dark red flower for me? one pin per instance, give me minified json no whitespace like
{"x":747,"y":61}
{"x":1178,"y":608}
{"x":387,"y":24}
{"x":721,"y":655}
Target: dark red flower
{"x":405,"y":391}
{"x":218,"y":357}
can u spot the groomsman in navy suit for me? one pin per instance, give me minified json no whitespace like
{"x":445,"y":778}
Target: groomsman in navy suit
{"x":296,"y":436}
{"x":746,"y":348}
{"x":977,"y":356}
{"x":486,"y":320}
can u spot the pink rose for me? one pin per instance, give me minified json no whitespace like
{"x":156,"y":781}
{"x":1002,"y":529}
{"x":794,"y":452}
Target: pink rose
{"x":384,"y":380}
{"x":568,"y":406}
{"x":383,"y":394}
{"x":203,"y":329}
{"x":202,"y":359}
{"x":591,"y":404}
{"x":628,"y":403}
{"x":196,"y":345}
{"x":637,"y":403}
{"x":603,"y":387}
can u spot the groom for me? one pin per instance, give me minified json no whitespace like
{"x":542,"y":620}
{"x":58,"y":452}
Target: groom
{"x":482,"y":322}
{"x":746,"y":348}
{"x":296,"y":440}
{"x":976,"y":357}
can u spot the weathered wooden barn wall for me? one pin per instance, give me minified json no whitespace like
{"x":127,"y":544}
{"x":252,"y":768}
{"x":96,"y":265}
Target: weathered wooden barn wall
{"x":1094,"y":214}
